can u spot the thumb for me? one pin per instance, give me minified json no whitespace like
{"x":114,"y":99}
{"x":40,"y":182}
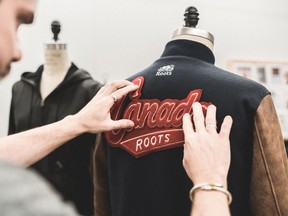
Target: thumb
{"x":122,"y":124}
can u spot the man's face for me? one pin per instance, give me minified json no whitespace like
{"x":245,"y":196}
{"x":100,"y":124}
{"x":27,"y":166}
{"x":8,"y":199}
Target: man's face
{"x":13,"y":13}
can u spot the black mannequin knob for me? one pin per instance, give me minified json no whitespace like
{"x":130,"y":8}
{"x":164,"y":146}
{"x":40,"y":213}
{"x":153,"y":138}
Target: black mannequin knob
{"x":191,"y":17}
{"x":56,"y":28}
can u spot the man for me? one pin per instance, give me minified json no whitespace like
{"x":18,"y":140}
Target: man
{"x":28,"y":147}
{"x":22,"y":191}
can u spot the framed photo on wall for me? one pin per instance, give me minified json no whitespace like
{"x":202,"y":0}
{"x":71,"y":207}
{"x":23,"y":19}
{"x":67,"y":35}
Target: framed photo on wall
{"x":274,"y":76}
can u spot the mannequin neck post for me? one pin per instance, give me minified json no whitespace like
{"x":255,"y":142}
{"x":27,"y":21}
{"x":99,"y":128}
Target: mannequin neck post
{"x":193,"y":34}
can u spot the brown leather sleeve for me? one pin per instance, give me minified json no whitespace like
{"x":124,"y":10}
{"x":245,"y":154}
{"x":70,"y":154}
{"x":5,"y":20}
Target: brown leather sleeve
{"x":269,"y":183}
{"x":100,"y":179}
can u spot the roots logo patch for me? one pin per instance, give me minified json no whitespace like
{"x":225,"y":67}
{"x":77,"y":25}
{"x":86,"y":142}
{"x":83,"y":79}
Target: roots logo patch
{"x":158,"y":124}
{"x":165,"y":70}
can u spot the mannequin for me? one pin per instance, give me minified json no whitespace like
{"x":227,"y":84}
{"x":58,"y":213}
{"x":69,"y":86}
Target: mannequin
{"x":56,"y":63}
{"x":189,"y":32}
{"x":140,"y":171}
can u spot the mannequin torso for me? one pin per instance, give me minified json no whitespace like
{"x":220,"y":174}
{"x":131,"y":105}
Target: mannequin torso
{"x":56,"y":65}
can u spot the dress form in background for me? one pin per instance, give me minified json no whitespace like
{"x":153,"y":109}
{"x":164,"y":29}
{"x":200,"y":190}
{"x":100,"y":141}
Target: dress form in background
{"x":56,"y":63}
{"x":190,"y":32}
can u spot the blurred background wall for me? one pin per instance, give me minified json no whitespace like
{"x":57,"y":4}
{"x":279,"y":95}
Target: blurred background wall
{"x":112,"y":39}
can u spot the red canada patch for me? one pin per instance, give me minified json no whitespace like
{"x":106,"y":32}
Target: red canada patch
{"x":158,"y":124}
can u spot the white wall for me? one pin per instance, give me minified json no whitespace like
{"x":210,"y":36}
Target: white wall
{"x":115,"y":38}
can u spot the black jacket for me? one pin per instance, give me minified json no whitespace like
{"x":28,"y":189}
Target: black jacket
{"x":67,"y":168}
{"x":143,"y":165}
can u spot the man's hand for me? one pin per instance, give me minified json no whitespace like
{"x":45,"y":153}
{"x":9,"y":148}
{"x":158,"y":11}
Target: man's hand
{"x":206,"y":152}
{"x":95,"y":116}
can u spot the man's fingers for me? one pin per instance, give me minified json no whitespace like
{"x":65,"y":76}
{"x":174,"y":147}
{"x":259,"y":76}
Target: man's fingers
{"x":111,"y":87}
{"x":211,"y":124}
{"x":226,"y":126}
{"x":124,"y":91}
{"x":198,"y":117}
{"x":122,"y":124}
{"x":110,"y":91}
{"x":187,"y":124}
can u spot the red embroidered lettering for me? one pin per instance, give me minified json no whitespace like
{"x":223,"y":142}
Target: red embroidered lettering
{"x":148,"y":142}
{"x":157,"y":123}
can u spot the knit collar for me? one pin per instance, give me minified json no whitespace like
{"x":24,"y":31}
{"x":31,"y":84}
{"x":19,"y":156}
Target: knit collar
{"x":190,"y":49}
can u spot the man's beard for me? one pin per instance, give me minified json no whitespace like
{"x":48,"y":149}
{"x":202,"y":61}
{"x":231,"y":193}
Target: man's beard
{"x":4,"y":72}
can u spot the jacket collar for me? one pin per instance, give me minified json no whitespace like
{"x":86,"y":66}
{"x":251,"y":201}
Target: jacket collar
{"x":190,"y":49}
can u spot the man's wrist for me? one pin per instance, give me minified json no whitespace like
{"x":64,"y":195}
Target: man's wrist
{"x":211,"y":178}
{"x":73,"y":125}
{"x":210,"y":187}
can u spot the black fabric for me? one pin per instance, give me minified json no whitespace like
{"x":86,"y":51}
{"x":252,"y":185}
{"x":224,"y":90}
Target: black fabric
{"x":156,"y":184}
{"x":67,"y":168}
